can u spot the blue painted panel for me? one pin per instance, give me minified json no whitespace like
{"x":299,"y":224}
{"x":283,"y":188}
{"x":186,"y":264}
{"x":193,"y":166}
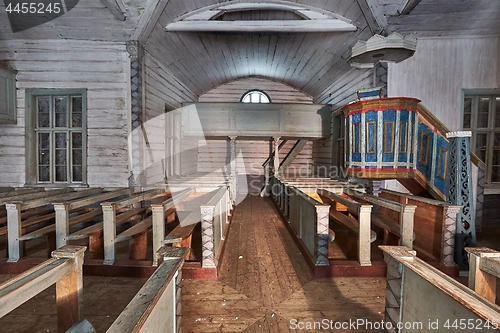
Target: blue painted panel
{"x":371,"y":141}
{"x":441,"y":165}
{"x":424,"y":150}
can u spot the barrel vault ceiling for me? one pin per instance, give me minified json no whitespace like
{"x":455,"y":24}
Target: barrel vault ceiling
{"x":307,"y":57}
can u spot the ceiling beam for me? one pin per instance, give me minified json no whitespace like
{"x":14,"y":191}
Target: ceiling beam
{"x":407,"y":6}
{"x":374,"y":15}
{"x":116,"y":8}
{"x":149,"y":18}
{"x":326,"y":25}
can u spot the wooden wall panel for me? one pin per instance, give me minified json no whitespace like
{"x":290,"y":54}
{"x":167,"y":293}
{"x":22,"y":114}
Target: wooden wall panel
{"x":214,"y":156}
{"x":441,"y":68}
{"x":322,"y":157}
{"x":233,"y":91}
{"x":162,"y":89}
{"x":100,"y":67}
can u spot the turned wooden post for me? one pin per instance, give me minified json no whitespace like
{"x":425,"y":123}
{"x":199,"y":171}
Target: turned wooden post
{"x":69,"y":289}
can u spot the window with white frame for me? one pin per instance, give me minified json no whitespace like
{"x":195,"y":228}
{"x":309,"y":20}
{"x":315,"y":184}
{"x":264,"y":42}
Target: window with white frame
{"x":56,"y":136}
{"x":481,"y":115}
{"x":255,"y":96}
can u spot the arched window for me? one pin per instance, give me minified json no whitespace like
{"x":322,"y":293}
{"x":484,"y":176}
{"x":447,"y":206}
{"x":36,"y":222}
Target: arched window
{"x":255,"y":96}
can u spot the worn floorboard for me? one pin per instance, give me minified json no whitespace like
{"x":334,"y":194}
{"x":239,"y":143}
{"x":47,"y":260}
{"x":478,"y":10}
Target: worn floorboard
{"x":265,"y":284}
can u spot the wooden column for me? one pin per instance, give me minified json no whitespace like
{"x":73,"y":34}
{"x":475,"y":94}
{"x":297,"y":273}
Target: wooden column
{"x":234,"y":173}
{"x":276,"y":156}
{"x":406,"y":222}
{"x":14,"y":230}
{"x":62,"y":224}
{"x":109,"y":230}
{"x":480,"y":281}
{"x":69,"y":289}
{"x":364,"y":251}
{"x":322,"y":215}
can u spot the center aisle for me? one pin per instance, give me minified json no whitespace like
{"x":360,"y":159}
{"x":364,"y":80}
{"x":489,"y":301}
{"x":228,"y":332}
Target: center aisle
{"x":265,"y":284}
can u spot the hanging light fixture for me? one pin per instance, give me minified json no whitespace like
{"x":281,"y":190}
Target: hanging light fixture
{"x":393,"y":48}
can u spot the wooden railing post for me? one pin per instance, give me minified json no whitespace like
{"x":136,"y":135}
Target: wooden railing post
{"x":364,"y":251}
{"x":14,"y":230}
{"x":480,"y":281}
{"x":109,"y":230}
{"x":158,"y":213}
{"x":322,"y":227}
{"x":69,"y":289}
{"x":62,"y":223}
{"x":406,"y":222}
{"x":449,"y":234}
{"x":207,"y":237}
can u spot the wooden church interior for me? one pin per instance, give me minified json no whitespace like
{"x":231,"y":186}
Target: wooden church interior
{"x":251,"y":166}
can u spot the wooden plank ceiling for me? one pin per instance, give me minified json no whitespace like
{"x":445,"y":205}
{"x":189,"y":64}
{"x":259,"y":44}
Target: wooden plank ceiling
{"x":314,"y":63}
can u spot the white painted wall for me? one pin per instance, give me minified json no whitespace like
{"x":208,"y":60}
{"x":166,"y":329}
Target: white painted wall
{"x":101,"y":68}
{"x":441,"y":68}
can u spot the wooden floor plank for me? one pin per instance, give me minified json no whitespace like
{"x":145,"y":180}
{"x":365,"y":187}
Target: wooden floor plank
{"x":265,"y":283}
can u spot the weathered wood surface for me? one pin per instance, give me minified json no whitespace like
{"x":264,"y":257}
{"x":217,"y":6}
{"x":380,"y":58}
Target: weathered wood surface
{"x":264,"y":282}
{"x":233,"y":91}
{"x":484,"y":270}
{"x":153,"y":309}
{"x":98,"y":66}
{"x":428,"y":295}
{"x":250,"y":119}
{"x":64,"y":270}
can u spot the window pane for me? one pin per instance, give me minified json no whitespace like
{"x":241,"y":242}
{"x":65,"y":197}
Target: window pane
{"x":44,"y":157}
{"x":77,"y":157}
{"x":43,"y":141}
{"x":60,"y":119}
{"x":481,"y":144}
{"x":467,"y":112}
{"x":496,"y":149}
{"x":61,"y":174}
{"x":60,"y":156}
{"x":482,"y":114}
{"x":77,"y":140}
{"x":43,"y":107}
{"x":495,"y":173}
{"x":76,"y":107}
{"x":60,"y":140}
{"x":44,"y":173}
{"x":497,"y":112}
{"x":77,"y":173}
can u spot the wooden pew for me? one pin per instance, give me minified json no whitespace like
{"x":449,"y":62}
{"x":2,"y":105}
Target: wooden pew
{"x":14,"y":222}
{"x":109,"y":213}
{"x":435,"y":226}
{"x":181,"y":235}
{"x":64,"y":270}
{"x":162,"y":211}
{"x":156,"y":308}
{"x":431,"y":301}
{"x":49,"y":232}
{"x":484,"y":271}
{"x":394,"y":218}
{"x":359,"y":228}
{"x":62,"y":210}
{"x":214,"y":216}
{"x":95,"y":232}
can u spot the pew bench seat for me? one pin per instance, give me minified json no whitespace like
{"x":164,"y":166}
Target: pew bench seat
{"x":95,"y":232}
{"x":181,"y":235}
{"x":350,"y":223}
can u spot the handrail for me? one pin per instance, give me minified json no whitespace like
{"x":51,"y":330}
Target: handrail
{"x":65,"y":270}
{"x":154,"y":307}
{"x":422,"y":110}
